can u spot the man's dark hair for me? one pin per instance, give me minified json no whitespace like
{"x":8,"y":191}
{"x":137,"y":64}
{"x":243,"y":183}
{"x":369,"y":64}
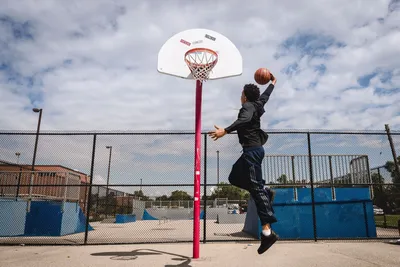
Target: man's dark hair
{"x":252,"y":92}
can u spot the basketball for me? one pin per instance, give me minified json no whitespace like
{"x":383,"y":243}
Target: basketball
{"x":262,"y":76}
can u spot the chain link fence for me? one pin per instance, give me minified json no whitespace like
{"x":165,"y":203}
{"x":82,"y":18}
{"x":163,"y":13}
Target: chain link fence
{"x":113,"y":188}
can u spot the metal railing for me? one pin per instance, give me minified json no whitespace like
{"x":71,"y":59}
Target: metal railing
{"x":44,"y":185}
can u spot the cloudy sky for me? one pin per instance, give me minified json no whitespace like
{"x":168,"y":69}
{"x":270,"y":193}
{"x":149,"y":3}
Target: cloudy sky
{"x":92,"y":65}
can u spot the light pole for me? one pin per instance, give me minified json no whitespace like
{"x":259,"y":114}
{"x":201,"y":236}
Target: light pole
{"x":36,"y":110}
{"x":108,"y":177}
{"x":17,"y":154}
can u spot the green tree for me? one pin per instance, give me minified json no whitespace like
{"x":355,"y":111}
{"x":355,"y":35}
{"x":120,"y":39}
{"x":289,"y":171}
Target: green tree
{"x":180,"y":195}
{"x":381,"y":196}
{"x":282,"y":179}
{"x":139,"y":195}
{"x":231,"y":192}
{"x":390,"y":167}
{"x":162,"y":198}
{"x":394,"y":189}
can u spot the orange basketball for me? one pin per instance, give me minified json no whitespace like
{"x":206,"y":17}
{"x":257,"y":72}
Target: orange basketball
{"x":262,"y":76}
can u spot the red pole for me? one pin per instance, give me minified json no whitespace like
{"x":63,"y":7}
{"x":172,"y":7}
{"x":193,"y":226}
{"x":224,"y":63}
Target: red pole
{"x":196,"y":205}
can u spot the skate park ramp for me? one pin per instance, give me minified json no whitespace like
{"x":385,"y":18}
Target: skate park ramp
{"x":220,"y":215}
{"x":138,"y":208}
{"x":12,"y":217}
{"x":45,"y":218}
{"x":165,"y":213}
{"x":139,"y":212}
{"x":350,"y":215}
{"x":213,"y":213}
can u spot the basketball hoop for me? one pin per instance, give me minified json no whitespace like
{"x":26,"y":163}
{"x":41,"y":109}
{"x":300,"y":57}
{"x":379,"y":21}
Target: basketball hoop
{"x":207,"y":48}
{"x":201,"y":61}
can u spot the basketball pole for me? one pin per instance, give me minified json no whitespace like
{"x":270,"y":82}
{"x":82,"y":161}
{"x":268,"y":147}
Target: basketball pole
{"x":196,"y":205}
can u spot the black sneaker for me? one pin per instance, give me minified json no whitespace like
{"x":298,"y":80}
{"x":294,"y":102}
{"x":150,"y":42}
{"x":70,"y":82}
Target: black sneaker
{"x":267,"y":242}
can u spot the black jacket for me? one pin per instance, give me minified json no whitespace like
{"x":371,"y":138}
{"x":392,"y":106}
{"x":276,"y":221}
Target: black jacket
{"x":248,"y":125}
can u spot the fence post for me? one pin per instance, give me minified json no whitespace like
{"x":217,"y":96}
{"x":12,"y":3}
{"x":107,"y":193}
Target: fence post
{"x":205,"y":191}
{"x":294,"y":179}
{"x":312,"y":186}
{"x":90,"y":189}
{"x":97,"y":200}
{"x":19,"y":183}
{"x":396,"y":165}
{"x":381,"y":188}
{"x":331,"y":178}
{"x":65,"y":191}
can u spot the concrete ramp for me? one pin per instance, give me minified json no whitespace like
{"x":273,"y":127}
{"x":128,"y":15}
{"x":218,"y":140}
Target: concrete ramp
{"x":181,"y":214}
{"x":138,"y":208}
{"x":138,"y":212}
{"x":172,"y":214}
{"x":231,"y":218}
{"x":212,"y":213}
{"x":108,"y":220}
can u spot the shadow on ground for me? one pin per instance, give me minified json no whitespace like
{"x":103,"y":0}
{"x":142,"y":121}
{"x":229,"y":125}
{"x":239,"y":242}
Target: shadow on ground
{"x":394,"y":242}
{"x":238,"y":234}
{"x":184,"y":261}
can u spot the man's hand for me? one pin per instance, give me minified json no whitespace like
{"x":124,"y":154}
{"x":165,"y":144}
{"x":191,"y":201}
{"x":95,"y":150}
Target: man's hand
{"x":220,"y":132}
{"x":273,"y":79}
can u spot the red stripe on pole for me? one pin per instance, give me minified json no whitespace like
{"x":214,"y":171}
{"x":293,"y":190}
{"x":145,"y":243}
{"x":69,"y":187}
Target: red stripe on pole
{"x":196,"y":205}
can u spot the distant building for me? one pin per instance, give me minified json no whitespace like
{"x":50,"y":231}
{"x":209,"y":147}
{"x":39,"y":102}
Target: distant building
{"x":15,"y":181}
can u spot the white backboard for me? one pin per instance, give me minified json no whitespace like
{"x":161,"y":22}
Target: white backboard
{"x":171,"y":57}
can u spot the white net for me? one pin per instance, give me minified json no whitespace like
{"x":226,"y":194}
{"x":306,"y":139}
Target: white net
{"x":201,"y":61}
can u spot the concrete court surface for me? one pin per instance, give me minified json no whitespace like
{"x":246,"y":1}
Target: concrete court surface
{"x":293,"y":254}
{"x":152,"y":231}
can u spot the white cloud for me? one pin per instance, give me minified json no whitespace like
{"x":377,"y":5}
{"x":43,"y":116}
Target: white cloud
{"x":92,"y":66}
{"x":98,"y":179}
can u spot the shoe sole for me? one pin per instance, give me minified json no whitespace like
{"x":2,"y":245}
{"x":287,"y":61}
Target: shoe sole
{"x":262,"y":252}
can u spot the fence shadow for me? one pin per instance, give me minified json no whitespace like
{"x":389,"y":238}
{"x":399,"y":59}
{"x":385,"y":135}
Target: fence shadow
{"x":133,"y":255}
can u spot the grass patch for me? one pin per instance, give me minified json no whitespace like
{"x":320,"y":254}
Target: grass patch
{"x":391,"y":220}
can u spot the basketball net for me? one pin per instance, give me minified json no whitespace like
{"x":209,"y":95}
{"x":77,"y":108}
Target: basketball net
{"x":201,"y":61}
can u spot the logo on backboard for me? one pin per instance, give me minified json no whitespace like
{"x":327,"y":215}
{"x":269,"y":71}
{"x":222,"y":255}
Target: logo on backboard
{"x":210,"y":37}
{"x":185,"y":42}
{"x":197,"y":42}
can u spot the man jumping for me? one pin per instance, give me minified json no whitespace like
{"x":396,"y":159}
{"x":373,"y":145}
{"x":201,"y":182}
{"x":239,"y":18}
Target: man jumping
{"x":246,"y":173}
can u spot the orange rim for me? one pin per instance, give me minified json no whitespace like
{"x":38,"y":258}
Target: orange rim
{"x":201,"y":50}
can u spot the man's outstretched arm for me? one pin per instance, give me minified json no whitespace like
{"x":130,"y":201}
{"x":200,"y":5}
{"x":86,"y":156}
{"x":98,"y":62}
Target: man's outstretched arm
{"x":264,"y":97}
{"x":245,"y":115}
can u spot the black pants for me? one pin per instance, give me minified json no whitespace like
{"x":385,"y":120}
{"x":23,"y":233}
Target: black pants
{"x":246,"y":174}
